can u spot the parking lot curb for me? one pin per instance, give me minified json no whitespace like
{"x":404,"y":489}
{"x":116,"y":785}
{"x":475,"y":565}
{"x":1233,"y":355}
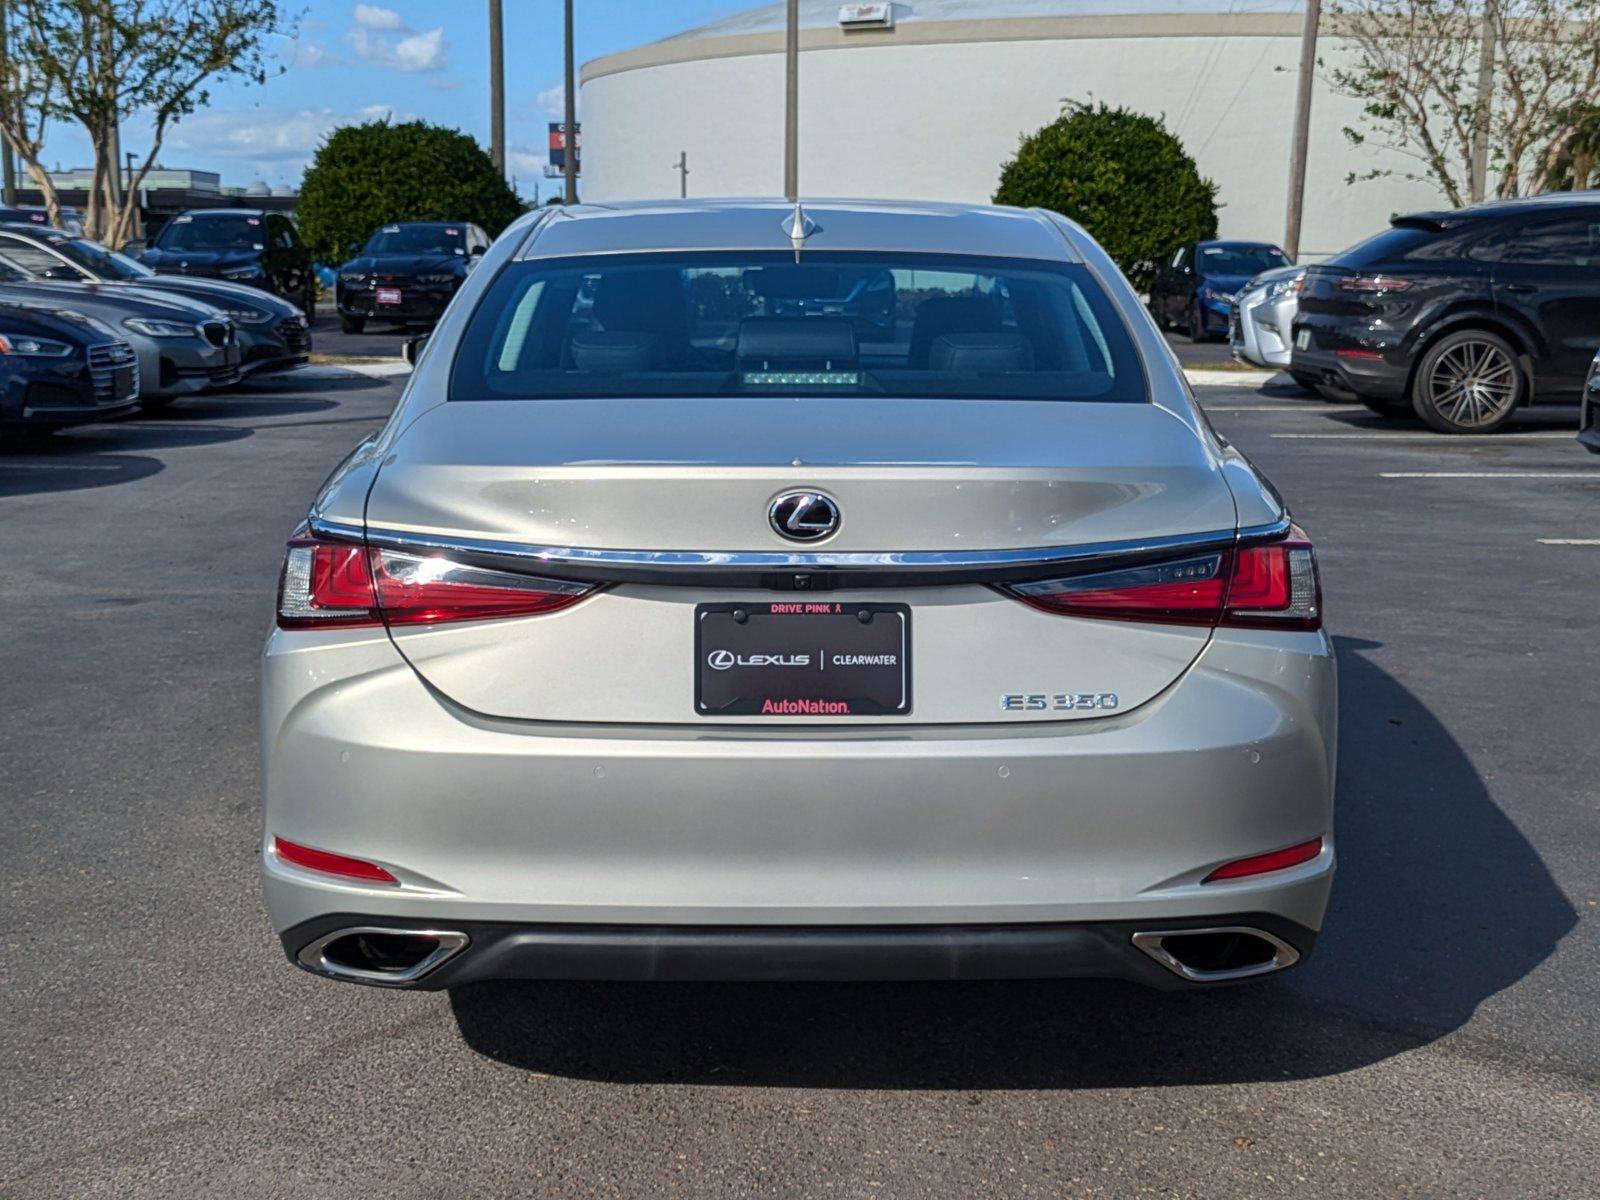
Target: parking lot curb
{"x":373,"y":370}
{"x":1200,"y":377}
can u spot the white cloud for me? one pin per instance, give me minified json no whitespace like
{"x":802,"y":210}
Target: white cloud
{"x":553,"y":102}
{"x":271,"y":143}
{"x":370,"y":16}
{"x":380,"y":37}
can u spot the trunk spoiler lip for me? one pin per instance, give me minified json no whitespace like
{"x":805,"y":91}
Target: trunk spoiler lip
{"x":803,"y":570}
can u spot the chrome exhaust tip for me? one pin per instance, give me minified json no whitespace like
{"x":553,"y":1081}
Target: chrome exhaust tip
{"x":1217,"y":954}
{"x":377,"y":955}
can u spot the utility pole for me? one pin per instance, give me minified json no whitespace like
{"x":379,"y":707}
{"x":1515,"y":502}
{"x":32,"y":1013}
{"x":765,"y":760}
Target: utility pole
{"x":683,"y":174}
{"x":8,"y":186}
{"x":1302,"y":128}
{"x":569,"y":160}
{"x":1482,"y":110}
{"x":791,"y":104}
{"x":497,"y":89}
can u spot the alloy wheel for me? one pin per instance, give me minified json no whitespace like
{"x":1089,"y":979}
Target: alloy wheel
{"x":1473,"y":384}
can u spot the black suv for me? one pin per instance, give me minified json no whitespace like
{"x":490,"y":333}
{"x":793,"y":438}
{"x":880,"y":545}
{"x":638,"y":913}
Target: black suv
{"x":1459,"y":316}
{"x":407,"y":272}
{"x":244,"y":245}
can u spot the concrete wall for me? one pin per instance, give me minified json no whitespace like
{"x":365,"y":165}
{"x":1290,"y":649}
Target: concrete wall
{"x":936,"y":120}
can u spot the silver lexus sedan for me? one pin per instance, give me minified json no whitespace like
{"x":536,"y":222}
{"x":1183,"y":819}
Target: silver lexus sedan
{"x":740,"y":592}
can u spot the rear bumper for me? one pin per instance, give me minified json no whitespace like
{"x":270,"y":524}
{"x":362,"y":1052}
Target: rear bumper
{"x":1376,"y":377}
{"x":1104,"y":949}
{"x":547,"y":824}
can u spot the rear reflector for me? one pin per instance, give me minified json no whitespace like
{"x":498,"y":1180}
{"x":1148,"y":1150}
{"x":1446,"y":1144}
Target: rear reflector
{"x":330,"y":864}
{"x":1268,"y":585}
{"x":1260,"y":864}
{"x":330,"y":583}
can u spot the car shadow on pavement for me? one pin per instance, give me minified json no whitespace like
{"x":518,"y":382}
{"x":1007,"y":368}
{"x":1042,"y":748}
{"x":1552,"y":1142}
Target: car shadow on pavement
{"x":1439,"y":904}
{"x":231,"y":406}
{"x":96,"y":455}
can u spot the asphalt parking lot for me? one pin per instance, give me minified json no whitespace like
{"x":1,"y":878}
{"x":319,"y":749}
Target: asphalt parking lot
{"x":1443,"y":1041}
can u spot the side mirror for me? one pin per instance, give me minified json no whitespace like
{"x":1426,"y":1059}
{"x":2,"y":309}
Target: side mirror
{"x":62,"y":271}
{"x":411,"y":349}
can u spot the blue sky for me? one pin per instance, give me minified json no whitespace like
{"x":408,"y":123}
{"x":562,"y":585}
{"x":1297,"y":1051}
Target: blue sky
{"x":352,"y":62}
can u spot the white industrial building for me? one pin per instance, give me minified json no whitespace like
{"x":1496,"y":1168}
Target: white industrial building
{"x":932,"y":103}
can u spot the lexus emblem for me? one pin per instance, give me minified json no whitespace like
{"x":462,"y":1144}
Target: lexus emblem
{"x":720,"y":660}
{"x":804,"y":516}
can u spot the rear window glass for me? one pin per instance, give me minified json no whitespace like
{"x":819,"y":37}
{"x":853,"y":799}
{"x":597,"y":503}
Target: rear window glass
{"x":1239,"y":258}
{"x":760,"y":323}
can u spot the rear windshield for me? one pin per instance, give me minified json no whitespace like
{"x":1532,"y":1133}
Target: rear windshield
{"x":232,"y":232}
{"x":95,"y":258}
{"x":760,"y":323}
{"x":416,"y":239}
{"x":1239,"y":258}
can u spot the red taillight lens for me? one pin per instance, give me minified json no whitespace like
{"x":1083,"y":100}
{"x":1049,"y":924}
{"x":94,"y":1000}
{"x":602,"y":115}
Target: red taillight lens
{"x":328,"y":863}
{"x":1271,"y":585}
{"x":1260,"y":864}
{"x":328,"y":583}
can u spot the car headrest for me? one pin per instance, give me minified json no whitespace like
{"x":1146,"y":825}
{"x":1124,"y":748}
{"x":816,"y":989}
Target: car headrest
{"x":796,"y":340}
{"x":984,"y":353}
{"x":607,"y":351}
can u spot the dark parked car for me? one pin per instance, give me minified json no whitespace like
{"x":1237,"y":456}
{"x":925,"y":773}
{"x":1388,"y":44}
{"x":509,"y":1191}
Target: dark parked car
{"x":273,"y":333}
{"x":1459,"y":316}
{"x":59,"y":368}
{"x":1194,"y":289}
{"x":407,"y":272}
{"x":28,"y":214}
{"x":244,"y":245}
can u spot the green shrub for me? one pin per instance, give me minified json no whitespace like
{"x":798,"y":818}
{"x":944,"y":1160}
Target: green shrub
{"x":1120,"y":175}
{"x":366,"y":175}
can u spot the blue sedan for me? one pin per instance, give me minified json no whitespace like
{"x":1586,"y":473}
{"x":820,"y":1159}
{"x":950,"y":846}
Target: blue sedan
{"x":1193,"y":289}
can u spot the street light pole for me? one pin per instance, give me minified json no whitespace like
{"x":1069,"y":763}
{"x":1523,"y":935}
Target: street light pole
{"x":569,"y":160}
{"x":1483,"y":106}
{"x":1302,"y":128}
{"x":791,"y":104}
{"x":497,"y":89}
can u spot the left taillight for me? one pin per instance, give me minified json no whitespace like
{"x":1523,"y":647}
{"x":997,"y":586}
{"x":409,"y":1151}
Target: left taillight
{"x":1266,"y":585}
{"x":327,"y":584}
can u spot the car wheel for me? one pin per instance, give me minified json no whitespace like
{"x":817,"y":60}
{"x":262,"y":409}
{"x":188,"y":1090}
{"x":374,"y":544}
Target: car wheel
{"x":1197,"y":328}
{"x":351,"y":324}
{"x":1158,"y":313}
{"x":1468,"y":382}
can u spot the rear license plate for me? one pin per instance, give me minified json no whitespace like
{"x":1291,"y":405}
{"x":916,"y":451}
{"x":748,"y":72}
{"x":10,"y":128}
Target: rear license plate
{"x":802,"y":659}
{"x":122,"y":383}
{"x":1302,"y":338}
{"x":389,"y":296}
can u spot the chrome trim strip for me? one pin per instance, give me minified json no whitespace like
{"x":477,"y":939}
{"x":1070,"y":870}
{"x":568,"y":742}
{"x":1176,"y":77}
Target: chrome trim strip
{"x":1153,"y":943}
{"x":932,"y":566}
{"x":450,"y":944}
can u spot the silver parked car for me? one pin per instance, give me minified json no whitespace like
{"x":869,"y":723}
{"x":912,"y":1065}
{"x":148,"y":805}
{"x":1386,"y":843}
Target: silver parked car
{"x":1258,"y":326}
{"x":670,"y":631}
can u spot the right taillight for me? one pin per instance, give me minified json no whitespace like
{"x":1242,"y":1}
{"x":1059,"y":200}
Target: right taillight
{"x":327,"y":583}
{"x":1264,"y":585}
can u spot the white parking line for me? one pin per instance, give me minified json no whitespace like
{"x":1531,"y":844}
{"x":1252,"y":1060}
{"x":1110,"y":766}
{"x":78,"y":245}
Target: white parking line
{"x":1592,"y":475}
{"x":1377,"y":436}
{"x":1569,"y":541}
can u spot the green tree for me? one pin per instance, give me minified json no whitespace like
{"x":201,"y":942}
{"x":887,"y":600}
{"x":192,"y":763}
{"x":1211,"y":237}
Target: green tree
{"x":366,"y":175}
{"x":1121,"y":176}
